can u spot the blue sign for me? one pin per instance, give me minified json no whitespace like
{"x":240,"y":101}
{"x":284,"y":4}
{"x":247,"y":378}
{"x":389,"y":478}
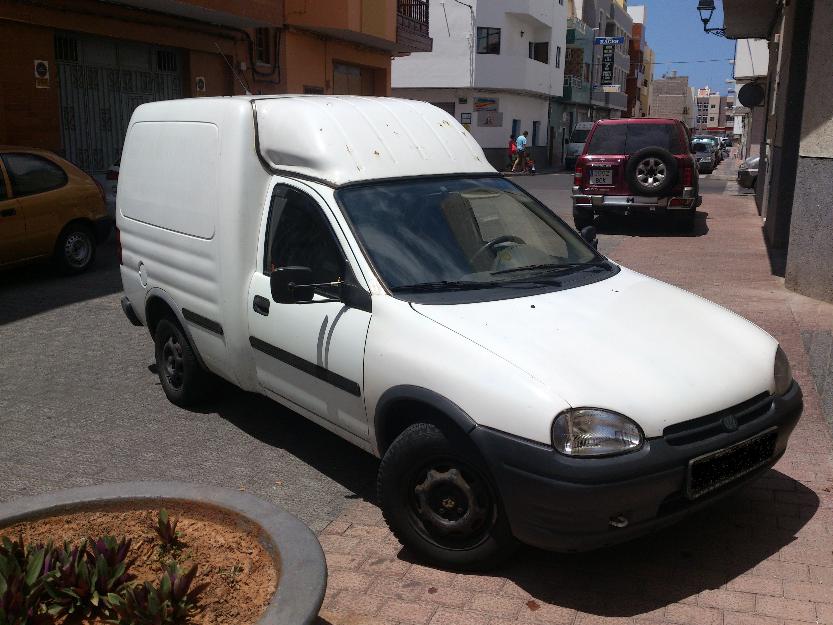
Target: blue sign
{"x":609,"y":41}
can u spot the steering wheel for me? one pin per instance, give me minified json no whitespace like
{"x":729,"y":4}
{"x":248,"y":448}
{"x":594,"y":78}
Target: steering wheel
{"x":505,"y":238}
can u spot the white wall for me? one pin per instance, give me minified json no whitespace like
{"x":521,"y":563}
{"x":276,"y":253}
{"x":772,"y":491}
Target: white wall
{"x":450,"y":63}
{"x":751,"y":58}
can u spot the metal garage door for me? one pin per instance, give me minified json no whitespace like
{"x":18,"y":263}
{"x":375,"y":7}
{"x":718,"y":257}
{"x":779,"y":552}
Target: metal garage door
{"x":101,"y":82}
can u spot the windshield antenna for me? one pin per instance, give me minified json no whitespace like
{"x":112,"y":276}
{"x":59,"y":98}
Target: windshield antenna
{"x":233,"y":71}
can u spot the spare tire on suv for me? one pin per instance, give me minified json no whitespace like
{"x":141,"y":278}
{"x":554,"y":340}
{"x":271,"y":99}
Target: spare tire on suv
{"x":651,"y":171}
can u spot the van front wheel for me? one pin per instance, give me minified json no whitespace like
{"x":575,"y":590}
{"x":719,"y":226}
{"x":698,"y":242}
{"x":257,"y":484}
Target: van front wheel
{"x":184,"y":381}
{"x":439,"y":501}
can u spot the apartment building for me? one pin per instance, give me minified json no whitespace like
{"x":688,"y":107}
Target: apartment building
{"x":715,"y":112}
{"x":672,"y":97}
{"x":495,"y":65}
{"x":641,"y":73}
{"x":74,"y":71}
{"x":610,"y":18}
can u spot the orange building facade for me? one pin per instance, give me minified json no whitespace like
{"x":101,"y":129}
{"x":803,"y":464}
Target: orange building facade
{"x":72,"y":71}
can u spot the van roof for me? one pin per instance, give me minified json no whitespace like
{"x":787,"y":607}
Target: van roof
{"x":344,"y":139}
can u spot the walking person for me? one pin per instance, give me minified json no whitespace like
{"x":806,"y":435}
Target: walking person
{"x":511,"y":152}
{"x":520,"y":145}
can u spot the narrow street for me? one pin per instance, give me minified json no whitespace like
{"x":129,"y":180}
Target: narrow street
{"x":78,"y":390}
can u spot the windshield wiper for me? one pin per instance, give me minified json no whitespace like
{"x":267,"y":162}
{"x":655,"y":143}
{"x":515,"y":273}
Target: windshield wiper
{"x":445,"y":285}
{"x":554,"y":266}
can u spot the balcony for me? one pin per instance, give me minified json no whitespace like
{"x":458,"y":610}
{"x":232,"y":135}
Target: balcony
{"x":412,"y":26}
{"x":241,"y":14}
{"x":516,"y":73}
{"x":612,"y":100}
{"x":576,"y":90}
{"x":540,"y":11}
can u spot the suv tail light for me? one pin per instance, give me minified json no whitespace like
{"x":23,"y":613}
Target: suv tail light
{"x":688,"y":175}
{"x":118,"y":246}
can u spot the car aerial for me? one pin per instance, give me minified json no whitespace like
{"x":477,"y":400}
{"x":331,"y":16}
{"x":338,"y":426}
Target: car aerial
{"x":49,"y":209}
{"x":705,"y":155}
{"x":636,"y":166}
{"x":359,"y":261}
{"x":575,"y":145}
{"x":748,"y":172}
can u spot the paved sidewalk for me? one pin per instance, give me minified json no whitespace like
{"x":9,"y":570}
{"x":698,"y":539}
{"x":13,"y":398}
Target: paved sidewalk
{"x":762,"y":557}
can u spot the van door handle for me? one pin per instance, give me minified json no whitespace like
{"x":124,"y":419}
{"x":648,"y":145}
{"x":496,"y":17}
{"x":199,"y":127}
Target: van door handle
{"x":8,"y":212}
{"x":261,"y":305}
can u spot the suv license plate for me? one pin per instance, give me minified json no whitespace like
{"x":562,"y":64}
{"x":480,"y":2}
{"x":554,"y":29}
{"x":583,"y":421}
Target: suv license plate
{"x":718,"y":468}
{"x":601,"y":177}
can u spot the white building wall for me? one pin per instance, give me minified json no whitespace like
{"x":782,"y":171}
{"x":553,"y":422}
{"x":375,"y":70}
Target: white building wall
{"x":751,"y":59}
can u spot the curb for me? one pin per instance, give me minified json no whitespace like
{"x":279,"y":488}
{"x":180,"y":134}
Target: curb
{"x":292,"y":545}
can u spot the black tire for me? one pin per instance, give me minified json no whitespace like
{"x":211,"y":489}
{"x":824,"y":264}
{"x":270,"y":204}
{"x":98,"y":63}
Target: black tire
{"x":75,"y":249}
{"x":651,"y":171}
{"x":184,"y":381}
{"x":440,"y":502}
{"x":582,"y":218}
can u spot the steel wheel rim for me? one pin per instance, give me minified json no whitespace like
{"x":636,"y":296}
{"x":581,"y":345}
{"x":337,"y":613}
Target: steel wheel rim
{"x":78,"y":249}
{"x":651,"y":172}
{"x":172,"y":363}
{"x":451,"y":504}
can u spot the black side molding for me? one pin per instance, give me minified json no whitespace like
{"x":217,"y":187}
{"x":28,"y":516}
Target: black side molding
{"x":127,"y":307}
{"x":203,"y":322}
{"x":306,"y":366}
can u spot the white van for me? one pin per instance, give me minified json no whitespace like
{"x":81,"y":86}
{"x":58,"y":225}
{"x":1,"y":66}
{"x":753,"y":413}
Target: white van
{"x":575,"y":146}
{"x":359,"y":261}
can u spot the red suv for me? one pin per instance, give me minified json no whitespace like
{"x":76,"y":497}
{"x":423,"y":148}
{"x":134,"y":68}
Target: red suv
{"x":632,"y":166}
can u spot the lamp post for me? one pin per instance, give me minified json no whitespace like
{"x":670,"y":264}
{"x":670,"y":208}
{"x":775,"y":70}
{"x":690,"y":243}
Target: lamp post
{"x":706,"y":9}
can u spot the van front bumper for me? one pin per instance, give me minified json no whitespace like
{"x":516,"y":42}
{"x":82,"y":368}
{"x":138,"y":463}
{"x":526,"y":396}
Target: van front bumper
{"x":576,"y":504}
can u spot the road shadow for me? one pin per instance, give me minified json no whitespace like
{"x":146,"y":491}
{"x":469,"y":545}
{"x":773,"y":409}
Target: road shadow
{"x":703,"y":552}
{"x":777,"y":257}
{"x":650,"y":225}
{"x":279,"y":427}
{"x":34,"y":289}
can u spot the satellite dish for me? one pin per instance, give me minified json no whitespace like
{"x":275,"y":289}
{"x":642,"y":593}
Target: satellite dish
{"x":751,"y":95}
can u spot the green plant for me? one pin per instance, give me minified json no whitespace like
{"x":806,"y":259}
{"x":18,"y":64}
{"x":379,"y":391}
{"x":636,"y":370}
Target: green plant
{"x":166,"y":530}
{"x":86,"y":575}
{"x":171,"y":602}
{"x":22,"y":578}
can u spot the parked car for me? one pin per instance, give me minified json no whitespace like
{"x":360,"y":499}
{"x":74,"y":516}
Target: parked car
{"x":575,"y":146}
{"x":640,"y":165}
{"x":49,"y":209}
{"x":715,"y":142}
{"x":705,"y":154}
{"x":111,"y":183}
{"x":359,"y":261}
{"x":748,"y":172}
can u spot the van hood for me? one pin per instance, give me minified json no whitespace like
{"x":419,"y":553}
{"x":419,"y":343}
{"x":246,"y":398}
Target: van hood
{"x":631,"y":344}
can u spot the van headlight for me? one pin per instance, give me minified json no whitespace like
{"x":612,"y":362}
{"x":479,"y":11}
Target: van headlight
{"x":783,"y":374}
{"x":589,"y":432}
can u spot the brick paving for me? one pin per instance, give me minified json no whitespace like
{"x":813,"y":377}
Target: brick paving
{"x":762,"y":557}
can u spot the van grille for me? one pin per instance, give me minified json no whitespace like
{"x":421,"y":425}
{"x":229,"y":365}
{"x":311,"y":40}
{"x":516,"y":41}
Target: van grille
{"x":703,"y":428}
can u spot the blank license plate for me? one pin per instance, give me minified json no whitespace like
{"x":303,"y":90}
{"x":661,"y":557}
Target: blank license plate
{"x":718,"y":468}
{"x":601,"y":177}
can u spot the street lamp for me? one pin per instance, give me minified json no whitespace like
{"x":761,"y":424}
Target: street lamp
{"x":706,"y":9}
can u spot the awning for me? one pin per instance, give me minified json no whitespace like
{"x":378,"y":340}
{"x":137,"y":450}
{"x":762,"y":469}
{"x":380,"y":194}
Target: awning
{"x":752,"y":19}
{"x":237,"y":14}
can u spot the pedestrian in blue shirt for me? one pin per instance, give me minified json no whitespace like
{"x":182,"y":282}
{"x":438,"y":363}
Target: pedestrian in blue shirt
{"x":521,"y":143}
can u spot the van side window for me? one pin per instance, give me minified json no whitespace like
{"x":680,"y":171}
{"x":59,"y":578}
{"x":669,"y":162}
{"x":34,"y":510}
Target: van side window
{"x":298,"y":235}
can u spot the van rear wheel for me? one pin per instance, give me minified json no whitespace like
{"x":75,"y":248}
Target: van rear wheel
{"x":184,"y":381}
{"x":439,"y":501}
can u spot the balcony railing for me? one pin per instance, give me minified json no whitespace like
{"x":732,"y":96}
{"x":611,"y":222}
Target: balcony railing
{"x":413,"y":15}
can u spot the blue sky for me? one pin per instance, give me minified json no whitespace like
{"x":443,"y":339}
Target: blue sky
{"x":675,"y":33}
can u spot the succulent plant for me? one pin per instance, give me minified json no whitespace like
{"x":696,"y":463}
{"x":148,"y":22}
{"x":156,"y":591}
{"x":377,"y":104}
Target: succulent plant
{"x":166,"y":530}
{"x":23,"y":574}
{"x":171,"y":602}
{"x":85,"y":575}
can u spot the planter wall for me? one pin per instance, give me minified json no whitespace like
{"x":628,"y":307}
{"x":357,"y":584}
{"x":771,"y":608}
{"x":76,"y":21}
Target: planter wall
{"x":294,"y":548}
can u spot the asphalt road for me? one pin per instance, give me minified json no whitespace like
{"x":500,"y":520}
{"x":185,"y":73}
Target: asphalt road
{"x":80,"y":403}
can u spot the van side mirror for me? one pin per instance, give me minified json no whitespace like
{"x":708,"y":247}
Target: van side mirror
{"x":588,"y":233}
{"x":291,"y":285}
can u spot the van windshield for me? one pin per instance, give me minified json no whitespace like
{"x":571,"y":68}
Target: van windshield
{"x":630,"y":138}
{"x":579,"y":136}
{"x":460,"y":233}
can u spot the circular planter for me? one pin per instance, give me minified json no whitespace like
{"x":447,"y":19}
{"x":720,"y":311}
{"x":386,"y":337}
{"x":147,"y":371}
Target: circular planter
{"x":293,"y":547}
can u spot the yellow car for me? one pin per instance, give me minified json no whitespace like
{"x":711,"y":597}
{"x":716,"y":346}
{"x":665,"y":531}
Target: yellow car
{"x":49,"y":209}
